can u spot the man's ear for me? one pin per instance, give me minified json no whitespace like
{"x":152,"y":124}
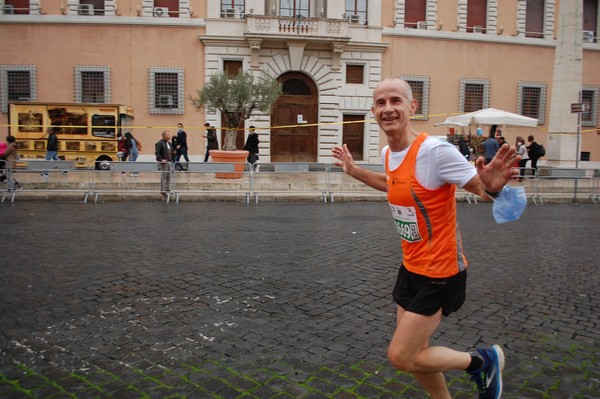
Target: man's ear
{"x":413,"y":106}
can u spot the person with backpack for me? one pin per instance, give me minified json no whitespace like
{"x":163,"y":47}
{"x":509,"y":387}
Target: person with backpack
{"x":535,"y":152}
{"x":132,"y":147}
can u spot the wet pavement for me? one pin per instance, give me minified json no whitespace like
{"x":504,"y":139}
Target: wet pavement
{"x":279,"y":300}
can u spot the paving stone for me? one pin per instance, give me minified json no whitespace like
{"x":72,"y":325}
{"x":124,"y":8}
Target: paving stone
{"x":279,"y":300}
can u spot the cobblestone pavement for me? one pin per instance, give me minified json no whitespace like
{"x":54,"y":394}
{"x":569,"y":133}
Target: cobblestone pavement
{"x":279,"y":300}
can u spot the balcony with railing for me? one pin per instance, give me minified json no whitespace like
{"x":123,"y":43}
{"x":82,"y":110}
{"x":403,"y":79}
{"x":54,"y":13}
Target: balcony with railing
{"x":297,"y":27}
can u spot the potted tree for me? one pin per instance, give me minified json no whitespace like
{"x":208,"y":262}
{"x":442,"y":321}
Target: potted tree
{"x":236,"y":98}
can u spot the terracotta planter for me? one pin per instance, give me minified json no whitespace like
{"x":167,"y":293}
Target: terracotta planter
{"x":230,"y":156}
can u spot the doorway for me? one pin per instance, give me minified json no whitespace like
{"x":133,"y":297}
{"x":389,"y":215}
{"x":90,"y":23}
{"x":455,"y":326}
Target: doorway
{"x":354,"y":135}
{"x":295,"y":110}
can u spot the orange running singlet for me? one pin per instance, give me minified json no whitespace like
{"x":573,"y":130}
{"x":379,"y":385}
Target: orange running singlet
{"x":425,"y":220}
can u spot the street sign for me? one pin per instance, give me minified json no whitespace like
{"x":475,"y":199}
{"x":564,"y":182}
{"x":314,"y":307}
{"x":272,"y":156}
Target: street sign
{"x":579,"y":108}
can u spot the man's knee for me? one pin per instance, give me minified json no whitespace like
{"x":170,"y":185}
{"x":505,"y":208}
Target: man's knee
{"x":401,"y":360}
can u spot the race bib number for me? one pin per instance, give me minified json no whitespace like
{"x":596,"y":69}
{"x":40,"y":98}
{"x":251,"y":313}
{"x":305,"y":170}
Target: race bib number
{"x":405,"y":218}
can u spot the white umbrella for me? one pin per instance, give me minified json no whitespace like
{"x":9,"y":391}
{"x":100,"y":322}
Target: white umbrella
{"x":490,"y":116}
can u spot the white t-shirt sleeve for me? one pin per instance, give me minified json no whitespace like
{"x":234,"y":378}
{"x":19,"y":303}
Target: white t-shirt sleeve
{"x":438,"y":163}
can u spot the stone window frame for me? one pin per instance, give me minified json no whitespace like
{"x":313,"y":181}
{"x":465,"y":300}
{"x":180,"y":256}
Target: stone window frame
{"x":486,"y":92}
{"x":593,"y":122}
{"x":147,"y":9}
{"x":365,"y":71}
{"x":491,"y":19}
{"x":110,"y":8}
{"x":426,"y":80}
{"x":4,"y":69}
{"x":153,"y":109}
{"x":34,"y":7}
{"x":549,"y":18}
{"x":542,"y":100}
{"x":430,"y":14}
{"x":105,"y":69}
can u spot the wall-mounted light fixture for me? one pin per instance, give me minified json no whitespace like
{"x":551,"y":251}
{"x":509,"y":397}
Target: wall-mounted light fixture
{"x":62,"y":9}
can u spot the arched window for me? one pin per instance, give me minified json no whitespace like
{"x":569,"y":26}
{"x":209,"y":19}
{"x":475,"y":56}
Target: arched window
{"x":295,"y":87}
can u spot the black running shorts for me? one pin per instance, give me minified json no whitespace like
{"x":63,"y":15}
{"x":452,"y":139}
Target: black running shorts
{"x":425,"y":295}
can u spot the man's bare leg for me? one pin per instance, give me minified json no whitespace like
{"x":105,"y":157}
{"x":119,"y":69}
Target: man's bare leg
{"x":409,"y":351}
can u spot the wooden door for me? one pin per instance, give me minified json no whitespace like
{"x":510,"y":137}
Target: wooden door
{"x":354,"y":136}
{"x":297,"y":107}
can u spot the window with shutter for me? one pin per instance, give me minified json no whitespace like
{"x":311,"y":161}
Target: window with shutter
{"x":355,"y":74}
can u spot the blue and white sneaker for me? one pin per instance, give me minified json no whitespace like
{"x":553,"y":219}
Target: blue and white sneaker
{"x":489,"y":377}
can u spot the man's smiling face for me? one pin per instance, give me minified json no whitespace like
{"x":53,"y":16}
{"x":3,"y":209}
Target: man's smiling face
{"x":393,"y":105}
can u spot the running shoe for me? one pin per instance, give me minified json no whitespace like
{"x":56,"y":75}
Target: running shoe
{"x":489,"y":377}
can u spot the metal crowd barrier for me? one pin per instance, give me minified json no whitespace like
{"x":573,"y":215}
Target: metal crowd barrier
{"x":7,"y":185}
{"x":563,"y":182}
{"x":279,"y":178}
{"x":595,"y":197}
{"x":125,"y":178}
{"x":338,"y":182}
{"x":215,"y":179}
{"x":39,"y":176}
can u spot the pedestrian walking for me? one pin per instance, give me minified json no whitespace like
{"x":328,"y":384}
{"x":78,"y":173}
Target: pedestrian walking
{"x":522,"y":151}
{"x":51,"y":147}
{"x":252,"y":145}
{"x":121,"y":149}
{"x":133,"y":148}
{"x":181,"y":150}
{"x":9,"y":159}
{"x":490,"y":148}
{"x":421,"y":176}
{"x":211,"y":140}
{"x":535,"y":153}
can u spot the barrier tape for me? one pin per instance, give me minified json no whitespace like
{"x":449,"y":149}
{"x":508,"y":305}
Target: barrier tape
{"x":189,"y":127}
{"x":420,"y":117}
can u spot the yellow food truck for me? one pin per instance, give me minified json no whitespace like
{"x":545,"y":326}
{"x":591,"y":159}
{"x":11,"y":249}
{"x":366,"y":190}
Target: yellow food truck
{"x":87,"y":133}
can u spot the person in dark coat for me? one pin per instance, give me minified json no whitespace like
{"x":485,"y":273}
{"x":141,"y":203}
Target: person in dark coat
{"x":211,"y":140}
{"x":52,"y":145}
{"x":534,"y":154}
{"x":164,"y":155}
{"x":252,"y":145}
{"x":51,"y":148}
{"x":181,"y":149}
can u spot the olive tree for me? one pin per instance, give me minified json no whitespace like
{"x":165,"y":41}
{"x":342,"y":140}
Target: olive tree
{"x":236,"y":98}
